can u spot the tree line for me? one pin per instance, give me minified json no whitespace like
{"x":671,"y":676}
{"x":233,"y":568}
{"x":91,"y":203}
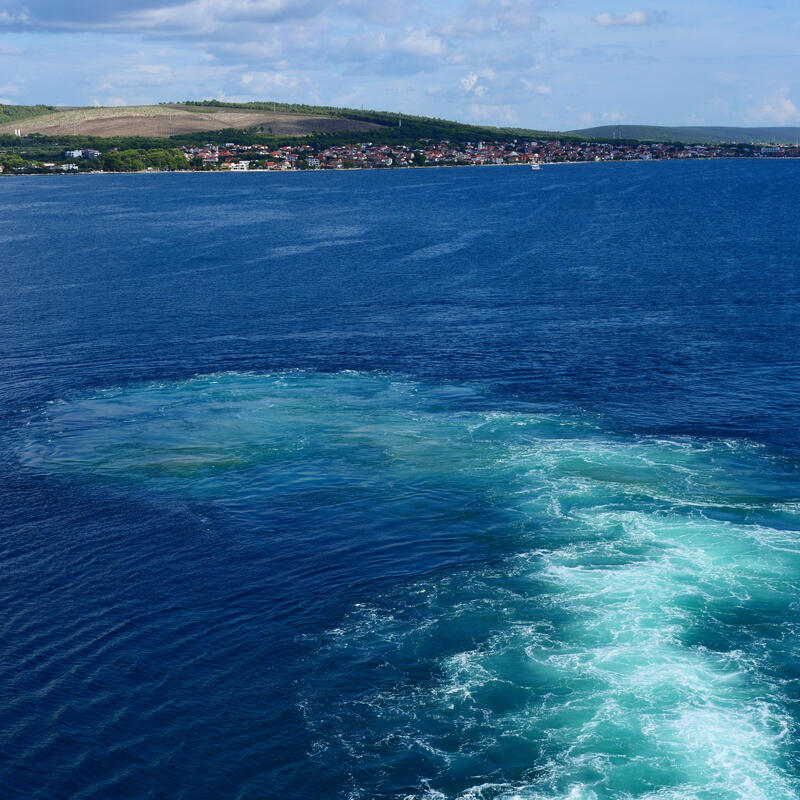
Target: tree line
{"x":11,"y":113}
{"x":131,"y":160}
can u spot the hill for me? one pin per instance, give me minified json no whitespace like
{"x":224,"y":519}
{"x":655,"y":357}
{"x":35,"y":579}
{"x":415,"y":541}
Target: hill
{"x":433,"y":126}
{"x":172,"y":119}
{"x":195,"y":121}
{"x":693,"y":134}
{"x":215,"y":120}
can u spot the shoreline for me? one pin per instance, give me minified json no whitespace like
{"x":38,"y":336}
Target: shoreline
{"x":382,"y":169}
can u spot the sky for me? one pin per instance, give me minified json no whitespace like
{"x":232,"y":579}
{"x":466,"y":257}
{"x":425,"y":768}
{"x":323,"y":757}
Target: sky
{"x":545,"y":64}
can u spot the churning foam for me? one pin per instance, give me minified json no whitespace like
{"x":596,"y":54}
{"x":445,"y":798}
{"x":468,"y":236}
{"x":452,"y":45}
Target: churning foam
{"x":638,"y":643}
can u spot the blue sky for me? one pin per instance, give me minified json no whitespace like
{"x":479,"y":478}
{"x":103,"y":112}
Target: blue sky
{"x":555,"y":64}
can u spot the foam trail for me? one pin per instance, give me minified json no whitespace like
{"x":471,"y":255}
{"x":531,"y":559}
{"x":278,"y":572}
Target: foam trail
{"x":635,"y":639}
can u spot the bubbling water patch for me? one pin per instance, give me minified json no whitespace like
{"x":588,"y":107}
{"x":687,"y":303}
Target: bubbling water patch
{"x":638,"y":642}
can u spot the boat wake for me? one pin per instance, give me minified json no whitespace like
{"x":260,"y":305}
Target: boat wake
{"x":633,"y":635}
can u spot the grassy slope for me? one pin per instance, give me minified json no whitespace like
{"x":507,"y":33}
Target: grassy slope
{"x":412,"y":128}
{"x":167,"y":120}
{"x":694,"y":134}
{"x":17,"y":113}
{"x":398,"y":127}
{"x":390,"y":128}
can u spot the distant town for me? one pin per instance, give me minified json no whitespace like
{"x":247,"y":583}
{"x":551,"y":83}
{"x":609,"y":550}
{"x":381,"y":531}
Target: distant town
{"x":367,"y":155}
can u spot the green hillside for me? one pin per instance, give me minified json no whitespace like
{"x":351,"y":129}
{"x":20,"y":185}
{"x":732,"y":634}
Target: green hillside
{"x":397,"y":128}
{"x":693,"y":134}
{"x":16,"y":113}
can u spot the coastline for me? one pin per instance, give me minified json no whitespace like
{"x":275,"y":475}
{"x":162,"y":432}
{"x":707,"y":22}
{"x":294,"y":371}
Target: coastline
{"x":382,"y":169}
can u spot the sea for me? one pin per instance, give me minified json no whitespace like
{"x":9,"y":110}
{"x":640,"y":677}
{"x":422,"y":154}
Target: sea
{"x":432,"y":484}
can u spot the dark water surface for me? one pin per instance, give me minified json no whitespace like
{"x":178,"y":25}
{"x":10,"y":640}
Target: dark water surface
{"x":440,"y":484}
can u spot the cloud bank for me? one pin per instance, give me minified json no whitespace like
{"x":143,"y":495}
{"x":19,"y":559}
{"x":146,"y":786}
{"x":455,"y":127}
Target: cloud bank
{"x":540,"y":63}
{"x":634,"y":18}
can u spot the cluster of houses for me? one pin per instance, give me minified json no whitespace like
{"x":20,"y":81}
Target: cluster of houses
{"x":367,"y":155}
{"x":300,"y":156}
{"x":87,"y":153}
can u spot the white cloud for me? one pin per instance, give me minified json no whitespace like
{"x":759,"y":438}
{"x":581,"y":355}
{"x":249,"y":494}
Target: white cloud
{"x":362,"y":46}
{"x":211,"y":16}
{"x":7,"y":18}
{"x":143,"y":75}
{"x":109,"y":101}
{"x":265,"y":82}
{"x":386,"y":12}
{"x":477,"y":17}
{"x":607,"y":19}
{"x":538,"y":88}
{"x":409,"y":55}
{"x":420,"y":43}
{"x":517,"y":14}
{"x":492,"y":113}
{"x":468,"y":83}
{"x":778,"y":107}
{"x":463,"y":27}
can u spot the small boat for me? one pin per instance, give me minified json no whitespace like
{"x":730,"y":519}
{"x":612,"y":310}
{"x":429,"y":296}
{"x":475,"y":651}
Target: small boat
{"x":535,"y":165}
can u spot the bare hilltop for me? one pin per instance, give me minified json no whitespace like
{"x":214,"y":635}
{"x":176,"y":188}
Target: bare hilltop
{"x":176,"y":119}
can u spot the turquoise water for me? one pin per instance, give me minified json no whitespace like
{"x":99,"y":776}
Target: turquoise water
{"x":635,"y":637}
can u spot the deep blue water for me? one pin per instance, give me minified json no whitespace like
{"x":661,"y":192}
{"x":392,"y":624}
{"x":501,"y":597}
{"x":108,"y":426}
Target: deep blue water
{"x":440,"y":484}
